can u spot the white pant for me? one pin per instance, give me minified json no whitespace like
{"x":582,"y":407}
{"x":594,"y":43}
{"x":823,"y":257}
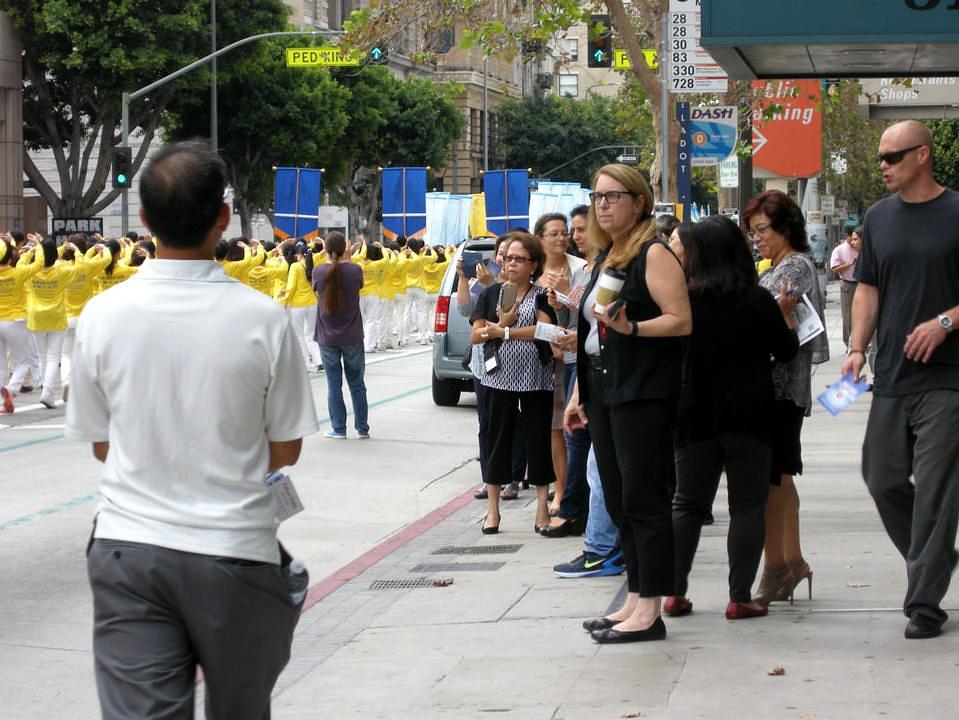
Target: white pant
{"x":304,"y":324}
{"x":401,"y":317}
{"x":14,"y":337}
{"x":49,"y":348}
{"x":369,"y":310}
{"x":420,"y":309}
{"x":66,"y":358}
{"x":387,"y":311}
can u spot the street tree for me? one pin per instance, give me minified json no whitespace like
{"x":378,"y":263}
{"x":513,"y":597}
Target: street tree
{"x":272,"y":115}
{"x":547,"y":132}
{"x":391,"y":122}
{"x":501,"y":27}
{"x":80,"y":56}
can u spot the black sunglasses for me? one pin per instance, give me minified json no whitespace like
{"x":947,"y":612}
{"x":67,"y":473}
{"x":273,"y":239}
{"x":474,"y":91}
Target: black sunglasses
{"x":895,"y":157}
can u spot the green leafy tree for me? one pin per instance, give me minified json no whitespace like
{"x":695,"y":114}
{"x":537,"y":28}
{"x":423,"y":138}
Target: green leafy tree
{"x":547,"y":133}
{"x":286,"y":116}
{"x":391,"y":122}
{"x":945,"y":137}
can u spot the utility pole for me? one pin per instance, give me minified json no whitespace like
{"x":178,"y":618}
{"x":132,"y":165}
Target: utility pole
{"x":214,"y":135}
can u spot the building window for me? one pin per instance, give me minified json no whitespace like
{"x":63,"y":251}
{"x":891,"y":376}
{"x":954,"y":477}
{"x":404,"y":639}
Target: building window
{"x":572,"y":49}
{"x":568,"y":84}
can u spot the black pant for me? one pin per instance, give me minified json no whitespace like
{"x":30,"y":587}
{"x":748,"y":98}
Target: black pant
{"x":519,"y":446}
{"x":633,"y":443}
{"x":698,"y":467}
{"x":502,"y":412}
{"x":915,"y":435}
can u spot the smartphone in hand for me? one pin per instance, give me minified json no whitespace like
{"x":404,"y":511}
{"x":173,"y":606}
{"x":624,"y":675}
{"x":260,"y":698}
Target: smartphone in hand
{"x":614,"y":307}
{"x":470,"y":260}
{"x":508,"y":298}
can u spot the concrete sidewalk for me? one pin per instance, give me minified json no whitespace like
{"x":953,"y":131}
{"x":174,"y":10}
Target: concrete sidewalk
{"x":505,"y":637}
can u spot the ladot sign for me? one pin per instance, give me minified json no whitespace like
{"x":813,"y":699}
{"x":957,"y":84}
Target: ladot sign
{"x":712,"y":133}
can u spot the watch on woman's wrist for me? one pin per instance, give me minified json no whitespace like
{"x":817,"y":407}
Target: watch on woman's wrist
{"x":945,"y":322}
{"x":506,"y":332}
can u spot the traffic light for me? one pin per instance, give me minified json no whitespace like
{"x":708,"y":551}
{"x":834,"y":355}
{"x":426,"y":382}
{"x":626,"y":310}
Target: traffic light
{"x":600,"y":45}
{"x":378,"y":55}
{"x":122,"y":168}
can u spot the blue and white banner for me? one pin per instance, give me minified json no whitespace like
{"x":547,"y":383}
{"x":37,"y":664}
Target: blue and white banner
{"x":404,"y":202}
{"x":296,"y":201}
{"x":507,"y":200}
{"x":684,"y":181}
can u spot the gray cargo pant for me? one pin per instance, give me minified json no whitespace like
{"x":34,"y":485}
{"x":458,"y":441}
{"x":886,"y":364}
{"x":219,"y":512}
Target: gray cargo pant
{"x":159,"y":613}
{"x":916,"y":435}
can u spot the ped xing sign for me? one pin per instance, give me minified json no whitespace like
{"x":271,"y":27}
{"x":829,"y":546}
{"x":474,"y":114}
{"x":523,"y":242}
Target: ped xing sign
{"x":325,"y":57}
{"x":712,"y":133}
{"x":621,"y":59}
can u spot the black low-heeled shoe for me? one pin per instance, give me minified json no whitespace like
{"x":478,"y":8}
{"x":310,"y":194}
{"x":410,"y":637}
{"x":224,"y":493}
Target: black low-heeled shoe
{"x":571,"y":527}
{"x":656,"y":631}
{"x":490,"y":529}
{"x":594,"y":624}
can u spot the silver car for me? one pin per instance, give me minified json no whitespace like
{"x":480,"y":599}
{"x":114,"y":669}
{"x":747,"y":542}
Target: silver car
{"x":451,"y":332}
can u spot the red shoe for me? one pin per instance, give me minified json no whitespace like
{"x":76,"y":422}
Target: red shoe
{"x":738,"y":611}
{"x":675,"y":606}
{"x":7,"y":400}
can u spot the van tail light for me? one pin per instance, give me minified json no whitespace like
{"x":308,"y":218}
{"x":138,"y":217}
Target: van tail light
{"x":442,"y":322}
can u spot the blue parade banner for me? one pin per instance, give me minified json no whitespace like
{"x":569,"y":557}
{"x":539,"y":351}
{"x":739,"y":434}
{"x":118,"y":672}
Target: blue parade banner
{"x":296,"y":201}
{"x":684,"y":189}
{"x":404,"y":201}
{"x":507,"y":200}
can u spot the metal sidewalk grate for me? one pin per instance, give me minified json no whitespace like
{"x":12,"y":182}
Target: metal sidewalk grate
{"x":457,"y":567}
{"x":404,"y":584}
{"x":477,"y":550}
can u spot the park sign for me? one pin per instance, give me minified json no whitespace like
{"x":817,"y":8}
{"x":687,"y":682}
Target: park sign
{"x":321,"y":57}
{"x":63,"y":228}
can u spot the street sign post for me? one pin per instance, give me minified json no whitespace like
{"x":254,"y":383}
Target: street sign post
{"x":321,"y":57}
{"x":828,"y":204}
{"x":729,"y":173}
{"x":691,"y":69}
{"x":627,"y":159}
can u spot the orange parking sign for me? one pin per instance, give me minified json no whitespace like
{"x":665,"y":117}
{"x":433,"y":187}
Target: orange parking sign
{"x":789,"y":141}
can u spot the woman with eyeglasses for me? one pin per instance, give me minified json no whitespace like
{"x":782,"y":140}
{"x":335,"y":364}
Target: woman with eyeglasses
{"x":552,"y":232}
{"x":776,"y":226}
{"x":724,"y":425}
{"x":517,"y":373}
{"x":629,"y":362}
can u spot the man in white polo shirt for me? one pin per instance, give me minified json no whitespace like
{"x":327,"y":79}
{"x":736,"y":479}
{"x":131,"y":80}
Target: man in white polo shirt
{"x":191,"y":388}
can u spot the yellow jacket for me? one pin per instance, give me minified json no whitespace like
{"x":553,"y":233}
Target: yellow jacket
{"x":396,"y":275}
{"x":433,"y":276}
{"x":299,"y":290}
{"x":79,"y":292}
{"x":267,"y":276}
{"x":414,"y":268}
{"x":13,"y":281}
{"x":240,"y":269}
{"x":46,"y":304}
{"x":120,"y":272}
{"x":372,"y":271}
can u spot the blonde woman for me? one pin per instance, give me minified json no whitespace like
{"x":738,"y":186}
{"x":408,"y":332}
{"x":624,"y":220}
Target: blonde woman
{"x":627,"y":390}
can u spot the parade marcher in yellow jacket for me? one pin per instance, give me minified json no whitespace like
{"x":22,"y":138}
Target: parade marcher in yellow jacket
{"x":269,"y":271}
{"x":373,"y":264}
{"x":417,"y":258}
{"x":299,"y":298}
{"x":432,"y":280}
{"x":14,"y":335}
{"x":241,"y":258}
{"x":118,"y":269}
{"x":91,"y":264}
{"x":47,"y":314}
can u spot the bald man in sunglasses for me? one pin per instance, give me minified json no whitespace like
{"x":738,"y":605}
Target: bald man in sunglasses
{"x":908,"y":273}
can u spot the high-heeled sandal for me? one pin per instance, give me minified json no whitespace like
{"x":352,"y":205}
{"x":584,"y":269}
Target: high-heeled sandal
{"x":771,"y":583}
{"x":799,"y":570}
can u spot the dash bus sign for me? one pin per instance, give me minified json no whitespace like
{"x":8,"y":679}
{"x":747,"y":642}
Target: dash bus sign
{"x":713,"y":131}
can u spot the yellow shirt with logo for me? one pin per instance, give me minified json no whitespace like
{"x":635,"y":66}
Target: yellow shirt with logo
{"x":107,"y":280}
{"x":46,"y":297}
{"x":265,"y":277}
{"x":372,"y":271}
{"x":13,"y":285}
{"x":396,"y":275}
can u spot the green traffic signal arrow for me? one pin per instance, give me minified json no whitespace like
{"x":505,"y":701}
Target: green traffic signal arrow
{"x":376,"y":53}
{"x":599,"y":55}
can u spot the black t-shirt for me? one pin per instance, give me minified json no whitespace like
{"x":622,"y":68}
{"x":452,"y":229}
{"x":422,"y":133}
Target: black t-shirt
{"x":910,"y":251}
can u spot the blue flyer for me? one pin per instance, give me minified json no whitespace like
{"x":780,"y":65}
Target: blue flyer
{"x":842,"y":393}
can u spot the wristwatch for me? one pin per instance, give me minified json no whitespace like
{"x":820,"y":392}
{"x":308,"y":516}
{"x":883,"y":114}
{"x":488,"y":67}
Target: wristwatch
{"x":945,"y":322}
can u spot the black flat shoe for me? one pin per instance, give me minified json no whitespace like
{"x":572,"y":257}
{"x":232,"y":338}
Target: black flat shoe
{"x":922,"y":627}
{"x":656,"y":631}
{"x":570,"y":527}
{"x":490,"y":529}
{"x":602,"y":623}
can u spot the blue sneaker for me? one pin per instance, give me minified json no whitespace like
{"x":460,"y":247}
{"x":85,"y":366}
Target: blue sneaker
{"x":592,"y":565}
{"x":335,"y":435}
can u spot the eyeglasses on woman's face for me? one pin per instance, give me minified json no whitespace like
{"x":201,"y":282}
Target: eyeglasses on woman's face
{"x":753,"y":233}
{"x":553,"y":234}
{"x":612,"y":197}
{"x":517,"y":259}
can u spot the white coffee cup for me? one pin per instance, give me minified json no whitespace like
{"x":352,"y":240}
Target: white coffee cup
{"x":608,"y":287}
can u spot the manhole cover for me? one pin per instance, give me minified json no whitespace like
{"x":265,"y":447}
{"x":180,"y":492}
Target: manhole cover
{"x":477,"y":550}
